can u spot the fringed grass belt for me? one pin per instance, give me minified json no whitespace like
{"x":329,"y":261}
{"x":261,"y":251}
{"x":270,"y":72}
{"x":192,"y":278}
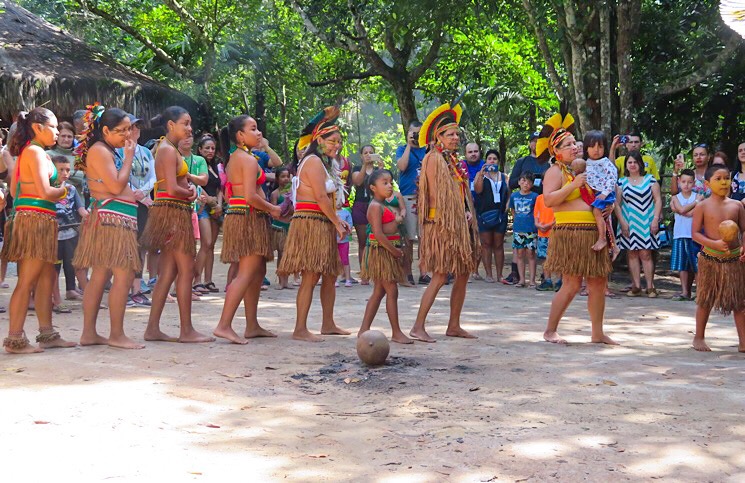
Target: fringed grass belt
{"x":115,"y":212}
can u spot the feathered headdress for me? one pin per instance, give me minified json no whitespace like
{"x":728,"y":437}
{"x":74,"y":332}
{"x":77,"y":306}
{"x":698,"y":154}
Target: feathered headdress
{"x":322,"y":123}
{"x":439,"y":121}
{"x":557,"y":128}
{"x":733,"y":14}
{"x":92,"y":114}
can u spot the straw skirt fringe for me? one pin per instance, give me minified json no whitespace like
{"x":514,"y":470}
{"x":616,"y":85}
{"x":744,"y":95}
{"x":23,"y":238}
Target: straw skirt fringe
{"x":378,"y":264}
{"x":246,"y":233}
{"x":720,"y":283}
{"x":169,"y":227}
{"x":107,"y":244}
{"x":570,"y":252}
{"x":311,"y":246}
{"x":30,"y":236}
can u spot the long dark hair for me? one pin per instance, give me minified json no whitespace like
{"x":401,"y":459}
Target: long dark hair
{"x":204,"y":138}
{"x":637,"y":156}
{"x":110,"y":118}
{"x":24,"y":133}
{"x":229,"y":133}
{"x":172,"y":113}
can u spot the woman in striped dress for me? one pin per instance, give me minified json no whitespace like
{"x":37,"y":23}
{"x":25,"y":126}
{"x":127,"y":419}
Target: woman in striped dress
{"x":638,"y":214}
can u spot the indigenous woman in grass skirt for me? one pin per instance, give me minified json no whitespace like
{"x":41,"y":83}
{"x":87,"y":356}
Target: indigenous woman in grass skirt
{"x":169,"y":229}
{"x":570,"y":251}
{"x":108,"y":242}
{"x":449,"y":242}
{"x":31,"y":233}
{"x":311,"y":242}
{"x":246,"y":231}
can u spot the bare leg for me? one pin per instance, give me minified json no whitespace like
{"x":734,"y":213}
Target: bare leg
{"x":91,"y":305}
{"x":418,"y":332}
{"x":596,"y":308}
{"x":600,"y":222}
{"x":648,"y":265}
{"x":361,"y":241}
{"x":28,"y":272}
{"x":635,"y":268}
{"x":685,"y":283}
{"x":166,"y":275}
{"x":251,"y":300}
{"x":373,"y":305}
{"x":569,"y":288}
{"x":43,"y":302}
{"x":408,"y":257}
{"x":304,"y":298}
{"x":328,"y":299}
{"x":56,"y":296}
{"x":232,"y":271}
{"x":520,"y":255}
{"x":702,"y":317}
{"x":391,"y":306}
{"x":82,"y":275}
{"x":117,"y":305}
{"x":532,"y":265}
{"x":487,"y":250}
{"x":185,"y":267}
{"x":205,"y":240}
{"x":235,"y":293}
{"x":740,"y":325}
{"x":499,"y":254}
{"x":457,"y":298}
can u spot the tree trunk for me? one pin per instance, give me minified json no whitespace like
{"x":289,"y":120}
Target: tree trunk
{"x":623,"y":58}
{"x":283,"y":113}
{"x":502,"y":151}
{"x":606,"y":111}
{"x":260,"y":107}
{"x":406,"y":104}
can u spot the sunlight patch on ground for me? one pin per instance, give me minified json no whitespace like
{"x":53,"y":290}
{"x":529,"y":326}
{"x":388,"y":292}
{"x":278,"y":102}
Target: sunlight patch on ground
{"x":540,"y":449}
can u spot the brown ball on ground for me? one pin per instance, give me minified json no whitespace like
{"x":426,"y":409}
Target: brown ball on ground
{"x":373,"y":347}
{"x":729,"y":230}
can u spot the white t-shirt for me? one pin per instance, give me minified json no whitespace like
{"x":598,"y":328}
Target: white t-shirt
{"x":683,"y":224}
{"x":602,"y":175}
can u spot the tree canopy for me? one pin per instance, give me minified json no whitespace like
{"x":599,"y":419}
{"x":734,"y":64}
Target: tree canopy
{"x":669,"y":68}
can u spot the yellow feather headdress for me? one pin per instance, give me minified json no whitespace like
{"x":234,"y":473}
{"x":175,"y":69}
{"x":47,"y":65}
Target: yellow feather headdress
{"x":322,"y":123}
{"x":441,"y":119}
{"x":555,"y":130}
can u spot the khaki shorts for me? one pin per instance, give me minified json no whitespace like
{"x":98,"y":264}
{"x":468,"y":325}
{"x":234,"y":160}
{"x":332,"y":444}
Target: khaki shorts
{"x":411,"y":221}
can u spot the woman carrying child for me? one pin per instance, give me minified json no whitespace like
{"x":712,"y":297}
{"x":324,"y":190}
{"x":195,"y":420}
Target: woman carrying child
{"x":281,"y":225}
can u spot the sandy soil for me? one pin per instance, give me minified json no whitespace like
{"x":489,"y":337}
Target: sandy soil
{"x":506,"y":407}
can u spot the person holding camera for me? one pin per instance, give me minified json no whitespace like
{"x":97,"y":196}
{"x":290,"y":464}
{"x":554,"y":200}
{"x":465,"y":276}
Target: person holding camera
{"x":409,"y":163}
{"x":360,"y":179}
{"x":493,"y":192}
{"x":631,"y":142}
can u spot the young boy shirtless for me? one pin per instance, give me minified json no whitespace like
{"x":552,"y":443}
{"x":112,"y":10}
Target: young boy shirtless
{"x":721,"y":264}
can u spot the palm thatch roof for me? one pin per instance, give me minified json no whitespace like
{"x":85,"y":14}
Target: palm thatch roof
{"x":41,"y":64}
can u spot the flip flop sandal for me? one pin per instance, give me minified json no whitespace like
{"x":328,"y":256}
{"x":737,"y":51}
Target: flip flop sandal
{"x":200,"y":288}
{"x":61,"y":309}
{"x":211,"y":287}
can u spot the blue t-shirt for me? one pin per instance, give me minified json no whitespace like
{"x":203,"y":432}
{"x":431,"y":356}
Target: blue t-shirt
{"x":738,"y":186}
{"x":473,"y":170}
{"x":262,"y":157}
{"x":524,"y":222}
{"x":407,"y":178}
{"x":344,"y":215}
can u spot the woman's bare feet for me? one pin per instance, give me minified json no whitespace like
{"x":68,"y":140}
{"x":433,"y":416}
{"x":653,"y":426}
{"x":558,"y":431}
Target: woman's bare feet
{"x":700,"y":345}
{"x":306,"y":336}
{"x":194,"y":337}
{"x":604,"y":340}
{"x":93,"y":339}
{"x":258,"y":332}
{"x":462,"y":333}
{"x":20,"y":346}
{"x":124,"y":342}
{"x":230,"y":335}
{"x":58,"y":343}
{"x":553,"y":337}
{"x":421,"y":335}
{"x":600,"y":244}
{"x":401,"y":339}
{"x":158,"y":336}
{"x":334,"y":330}
{"x":615,"y":251}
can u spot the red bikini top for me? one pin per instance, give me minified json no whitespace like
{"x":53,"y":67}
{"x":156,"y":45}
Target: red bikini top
{"x":260,"y":179}
{"x":388,"y":216}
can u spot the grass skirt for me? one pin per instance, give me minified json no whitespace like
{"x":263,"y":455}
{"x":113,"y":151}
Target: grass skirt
{"x":169,"y":227}
{"x":311,"y":246}
{"x":30,"y":235}
{"x":246,"y":232}
{"x":570,"y":252}
{"x":108,"y":241}
{"x":378,"y":264}
{"x":279,"y":238}
{"x":442,"y":253}
{"x":720,"y":283}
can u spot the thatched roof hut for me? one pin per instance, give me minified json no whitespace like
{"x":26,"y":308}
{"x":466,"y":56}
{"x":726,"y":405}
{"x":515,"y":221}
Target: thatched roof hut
{"x":41,"y":64}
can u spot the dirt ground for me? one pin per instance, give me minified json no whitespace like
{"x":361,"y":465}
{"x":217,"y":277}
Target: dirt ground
{"x":505,"y":407}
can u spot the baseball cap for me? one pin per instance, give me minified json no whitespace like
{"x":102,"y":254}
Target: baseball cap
{"x":134,"y":119}
{"x":534,"y":135}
